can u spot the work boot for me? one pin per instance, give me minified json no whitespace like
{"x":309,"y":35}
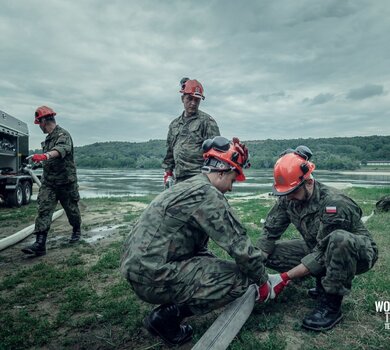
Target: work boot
{"x":75,"y":235}
{"x":165,"y":320}
{"x":317,"y":291}
{"x":326,"y":314}
{"x":39,"y":246}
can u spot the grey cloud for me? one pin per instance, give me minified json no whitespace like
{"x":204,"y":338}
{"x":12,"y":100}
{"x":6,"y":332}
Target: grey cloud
{"x":319,"y":99}
{"x":365,"y":91}
{"x":112,"y":69}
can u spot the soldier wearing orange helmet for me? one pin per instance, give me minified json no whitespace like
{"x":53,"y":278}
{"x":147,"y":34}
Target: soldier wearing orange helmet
{"x":59,"y":180}
{"x":187,"y":133}
{"x":335,"y":246}
{"x":166,"y":259}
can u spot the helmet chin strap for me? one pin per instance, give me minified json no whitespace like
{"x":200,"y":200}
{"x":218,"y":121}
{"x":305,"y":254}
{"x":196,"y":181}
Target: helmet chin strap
{"x":213,"y":165}
{"x":307,"y":194}
{"x":209,"y":170}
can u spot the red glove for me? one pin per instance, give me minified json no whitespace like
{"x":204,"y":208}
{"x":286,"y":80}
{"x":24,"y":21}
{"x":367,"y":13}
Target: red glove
{"x":167,"y":174}
{"x":263,"y":292}
{"x":36,"y":158}
{"x":278,"y":283}
{"x":243,"y":151}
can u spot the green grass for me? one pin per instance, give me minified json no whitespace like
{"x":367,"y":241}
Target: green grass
{"x":80,"y":300}
{"x":362,"y":194}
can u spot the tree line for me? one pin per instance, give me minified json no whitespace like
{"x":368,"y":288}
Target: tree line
{"x":338,"y":153}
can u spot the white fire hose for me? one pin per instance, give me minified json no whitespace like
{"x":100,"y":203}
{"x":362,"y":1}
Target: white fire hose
{"x":22,"y":234}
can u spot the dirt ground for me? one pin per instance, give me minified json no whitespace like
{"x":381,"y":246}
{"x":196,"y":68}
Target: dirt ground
{"x":102,"y":223}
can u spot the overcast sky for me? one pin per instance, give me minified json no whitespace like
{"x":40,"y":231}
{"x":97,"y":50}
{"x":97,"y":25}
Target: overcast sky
{"x":270,"y":69}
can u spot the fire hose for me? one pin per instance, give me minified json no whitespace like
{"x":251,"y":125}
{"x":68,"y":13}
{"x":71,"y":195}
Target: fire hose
{"x":22,"y":234}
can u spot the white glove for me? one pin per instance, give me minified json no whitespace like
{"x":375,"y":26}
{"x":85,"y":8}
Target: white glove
{"x":278,"y":282}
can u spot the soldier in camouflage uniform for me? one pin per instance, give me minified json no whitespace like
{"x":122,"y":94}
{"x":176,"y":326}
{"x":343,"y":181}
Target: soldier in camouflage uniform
{"x":187,"y":133}
{"x":59,"y":181}
{"x":335,"y":246}
{"x":383,"y":205}
{"x":166,"y":259}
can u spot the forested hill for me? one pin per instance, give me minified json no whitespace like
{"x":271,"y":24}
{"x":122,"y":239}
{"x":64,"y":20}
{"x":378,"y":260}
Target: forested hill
{"x":329,"y":153}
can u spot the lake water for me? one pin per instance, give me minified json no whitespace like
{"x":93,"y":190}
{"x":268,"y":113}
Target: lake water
{"x":138,"y":182}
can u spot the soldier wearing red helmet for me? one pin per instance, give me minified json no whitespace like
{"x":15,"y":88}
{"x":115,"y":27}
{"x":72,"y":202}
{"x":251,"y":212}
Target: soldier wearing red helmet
{"x":335,"y":246}
{"x":59,"y":180}
{"x":223,"y":156}
{"x":187,"y":133}
{"x":166,"y":258}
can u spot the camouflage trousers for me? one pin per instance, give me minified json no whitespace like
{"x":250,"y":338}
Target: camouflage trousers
{"x":203,"y":284}
{"x":48,"y":197}
{"x":345,"y":256}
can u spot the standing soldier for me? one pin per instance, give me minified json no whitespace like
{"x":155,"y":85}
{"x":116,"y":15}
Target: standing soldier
{"x":166,"y":259}
{"x":335,"y":246}
{"x":187,"y":133}
{"x":59,"y":180}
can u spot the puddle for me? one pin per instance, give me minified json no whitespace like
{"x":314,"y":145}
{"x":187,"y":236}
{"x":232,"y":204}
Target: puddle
{"x":90,"y":236}
{"x":98,"y":233}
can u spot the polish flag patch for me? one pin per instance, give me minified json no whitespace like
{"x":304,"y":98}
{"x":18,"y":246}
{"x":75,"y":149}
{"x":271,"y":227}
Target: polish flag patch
{"x":331,"y":210}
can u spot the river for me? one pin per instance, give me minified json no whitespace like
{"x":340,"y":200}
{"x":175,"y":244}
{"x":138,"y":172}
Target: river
{"x":139,"y":182}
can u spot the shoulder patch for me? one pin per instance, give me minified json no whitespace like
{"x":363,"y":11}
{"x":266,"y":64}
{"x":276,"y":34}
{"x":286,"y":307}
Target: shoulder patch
{"x":331,"y":210}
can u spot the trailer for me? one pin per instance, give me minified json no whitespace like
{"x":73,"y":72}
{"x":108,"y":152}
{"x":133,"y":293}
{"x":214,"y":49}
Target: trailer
{"x":15,"y":179}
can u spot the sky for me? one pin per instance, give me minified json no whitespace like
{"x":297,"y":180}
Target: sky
{"x":270,"y":69}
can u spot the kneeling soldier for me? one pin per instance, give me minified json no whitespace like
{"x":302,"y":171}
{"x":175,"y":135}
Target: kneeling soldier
{"x":335,"y":246}
{"x":166,"y":259}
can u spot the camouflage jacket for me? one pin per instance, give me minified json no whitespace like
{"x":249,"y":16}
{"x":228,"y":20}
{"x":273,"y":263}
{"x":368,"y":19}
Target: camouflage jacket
{"x":176,"y":226}
{"x":60,"y":170}
{"x":326,"y":211}
{"x":184,"y":143}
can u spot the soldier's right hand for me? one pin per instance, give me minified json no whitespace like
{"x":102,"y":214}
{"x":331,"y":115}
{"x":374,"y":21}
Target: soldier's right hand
{"x":37,"y":158}
{"x":278,"y":282}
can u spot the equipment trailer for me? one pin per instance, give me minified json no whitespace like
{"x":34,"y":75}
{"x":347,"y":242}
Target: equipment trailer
{"x":15,"y":181}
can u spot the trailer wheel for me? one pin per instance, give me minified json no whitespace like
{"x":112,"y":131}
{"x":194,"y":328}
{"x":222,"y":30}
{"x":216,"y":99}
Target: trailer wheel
{"x":27,"y":190}
{"x":15,"y":198}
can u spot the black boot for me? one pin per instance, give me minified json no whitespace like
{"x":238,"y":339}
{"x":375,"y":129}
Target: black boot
{"x":317,"y":291}
{"x":165,"y":320}
{"x":39,"y":246}
{"x":75,"y":235}
{"x":326,"y":315}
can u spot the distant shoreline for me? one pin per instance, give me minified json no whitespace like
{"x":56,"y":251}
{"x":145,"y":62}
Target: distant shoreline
{"x":362,"y":171}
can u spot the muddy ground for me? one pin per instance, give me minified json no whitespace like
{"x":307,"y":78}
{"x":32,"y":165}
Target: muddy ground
{"x":102,"y":223}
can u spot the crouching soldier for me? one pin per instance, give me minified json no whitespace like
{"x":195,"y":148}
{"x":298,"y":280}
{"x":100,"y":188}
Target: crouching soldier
{"x":335,"y":246}
{"x":166,"y":259}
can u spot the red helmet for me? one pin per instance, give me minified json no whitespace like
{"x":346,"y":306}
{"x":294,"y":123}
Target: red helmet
{"x":43,"y":111}
{"x":192,"y":87}
{"x":290,"y":172}
{"x":223,"y":155}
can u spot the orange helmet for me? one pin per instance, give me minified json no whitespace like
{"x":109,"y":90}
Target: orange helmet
{"x":192,"y":87}
{"x":220,"y":154}
{"x":43,"y":111}
{"x":291,"y":171}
